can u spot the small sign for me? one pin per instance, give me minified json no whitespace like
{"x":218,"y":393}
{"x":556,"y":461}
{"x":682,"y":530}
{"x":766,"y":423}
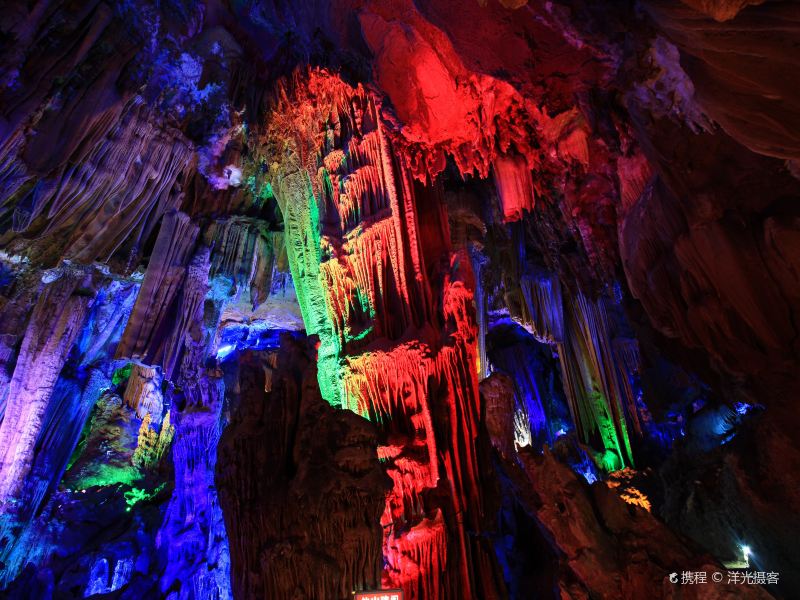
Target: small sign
{"x":379,"y":595}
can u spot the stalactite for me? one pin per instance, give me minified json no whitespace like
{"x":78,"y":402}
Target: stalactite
{"x":383,"y":385}
{"x":159,"y":290}
{"x":626,"y":358}
{"x":193,"y":532}
{"x":143,"y":393}
{"x":108,"y":320}
{"x":512,"y":175}
{"x":635,"y":173}
{"x":54,"y":325}
{"x":479,"y":262}
{"x":187,"y":328}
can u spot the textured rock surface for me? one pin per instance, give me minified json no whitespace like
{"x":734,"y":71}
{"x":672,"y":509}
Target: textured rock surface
{"x":300,"y":484}
{"x":504,"y":226}
{"x":609,"y":548}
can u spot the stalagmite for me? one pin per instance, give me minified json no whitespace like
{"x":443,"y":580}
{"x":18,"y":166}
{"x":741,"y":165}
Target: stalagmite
{"x":193,"y":531}
{"x":300,"y":485}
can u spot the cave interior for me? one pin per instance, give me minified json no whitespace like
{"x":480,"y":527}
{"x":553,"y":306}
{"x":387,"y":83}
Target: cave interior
{"x":399,"y":299}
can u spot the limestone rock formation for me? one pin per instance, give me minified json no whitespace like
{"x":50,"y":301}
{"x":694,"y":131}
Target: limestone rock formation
{"x":477,"y":299}
{"x":313,"y":469}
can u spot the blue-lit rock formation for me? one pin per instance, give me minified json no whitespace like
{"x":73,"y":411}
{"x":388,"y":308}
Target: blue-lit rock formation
{"x":192,"y":536}
{"x":541,"y":412}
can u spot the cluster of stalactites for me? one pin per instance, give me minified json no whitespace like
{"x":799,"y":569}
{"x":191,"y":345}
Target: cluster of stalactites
{"x":357,"y":257}
{"x":317,"y":114}
{"x":592,"y":381}
{"x":401,"y":387}
{"x":243,"y":250}
{"x":545,"y":306}
{"x":595,"y":368}
{"x":366,"y":286}
{"x":348,"y":219}
{"x":125,"y":166}
{"x":353,"y":184}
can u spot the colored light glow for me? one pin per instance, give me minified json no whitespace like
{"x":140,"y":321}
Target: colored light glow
{"x":107,"y":475}
{"x":121,"y":374}
{"x":379,"y":595}
{"x":136,"y":495}
{"x":622,"y":481}
{"x":224,"y":351}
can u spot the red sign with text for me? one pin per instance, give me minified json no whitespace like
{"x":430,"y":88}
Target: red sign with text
{"x":380,"y":595}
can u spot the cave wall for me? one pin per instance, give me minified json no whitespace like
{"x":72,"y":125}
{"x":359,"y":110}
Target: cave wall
{"x":596,"y":202}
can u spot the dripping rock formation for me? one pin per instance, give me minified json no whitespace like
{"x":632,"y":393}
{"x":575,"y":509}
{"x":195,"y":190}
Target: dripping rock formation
{"x":427,"y":299}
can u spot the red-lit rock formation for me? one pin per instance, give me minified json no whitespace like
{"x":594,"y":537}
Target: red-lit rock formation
{"x":404,"y":333}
